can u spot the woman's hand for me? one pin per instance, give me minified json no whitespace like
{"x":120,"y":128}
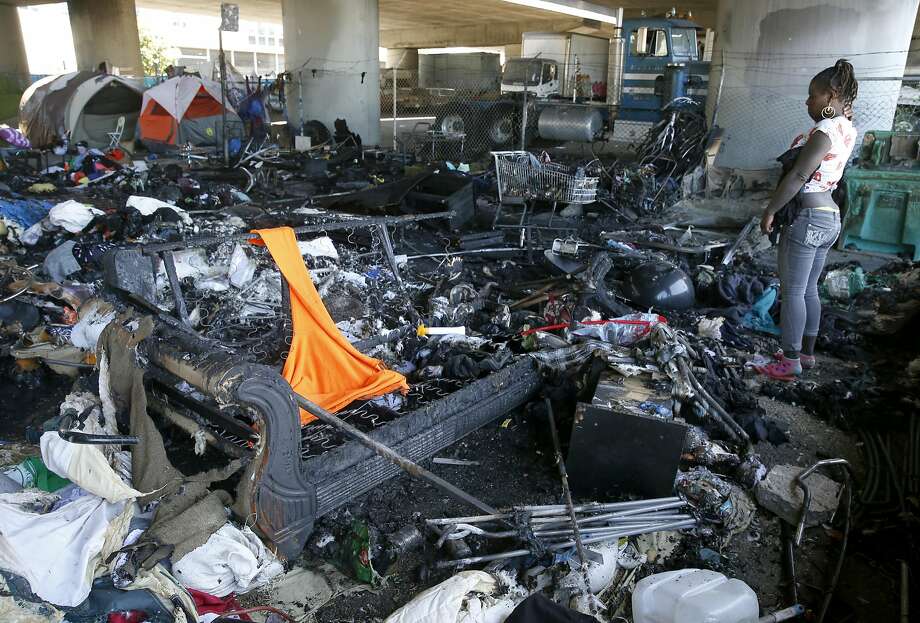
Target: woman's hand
{"x":766,"y":223}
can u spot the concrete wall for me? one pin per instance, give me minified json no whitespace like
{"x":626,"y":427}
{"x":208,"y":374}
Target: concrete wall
{"x":460,"y":71}
{"x":14,"y":66}
{"x":773,"y":49}
{"x":331,"y":48}
{"x":106,"y":31}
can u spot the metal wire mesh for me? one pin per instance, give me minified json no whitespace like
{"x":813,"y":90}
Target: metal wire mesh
{"x":521,"y":174}
{"x":761,"y":120}
{"x":454,"y":115}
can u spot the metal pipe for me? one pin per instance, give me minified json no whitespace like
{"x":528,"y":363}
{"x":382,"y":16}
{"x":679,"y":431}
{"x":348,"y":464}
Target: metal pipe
{"x":564,"y":477}
{"x":548,"y":510}
{"x":848,"y":485}
{"x":517,"y":553}
{"x":806,"y":501}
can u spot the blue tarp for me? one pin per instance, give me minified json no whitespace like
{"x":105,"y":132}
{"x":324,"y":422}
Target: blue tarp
{"x":24,"y":212}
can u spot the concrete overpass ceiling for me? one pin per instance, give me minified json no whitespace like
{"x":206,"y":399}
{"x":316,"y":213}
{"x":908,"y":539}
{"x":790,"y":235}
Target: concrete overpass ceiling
{"x":406,"y":14}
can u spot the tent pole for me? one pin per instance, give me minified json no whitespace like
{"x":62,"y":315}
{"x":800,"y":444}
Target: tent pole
{"x":223,"y":98}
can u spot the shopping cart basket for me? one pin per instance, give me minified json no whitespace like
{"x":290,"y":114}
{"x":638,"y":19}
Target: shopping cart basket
{"x":521,"y":175}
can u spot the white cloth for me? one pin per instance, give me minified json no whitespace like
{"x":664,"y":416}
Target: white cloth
{"x":318,"y":247}
{"x":72,"y":215}
{"x":149,"y":205}
{"x":56,"y":552}
{"x":94,"y":317}
{"x":86,"y":466}
{"x":843,"y":138}
{"x":443,"y":603}
{"x":231,"y":561}
{"x":242,"y":267}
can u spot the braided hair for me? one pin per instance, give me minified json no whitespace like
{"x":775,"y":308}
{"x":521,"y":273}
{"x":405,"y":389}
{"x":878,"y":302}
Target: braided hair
{"x":840,"y":80}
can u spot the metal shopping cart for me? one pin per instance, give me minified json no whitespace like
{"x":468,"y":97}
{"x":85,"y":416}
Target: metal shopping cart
{"x":522,"y":177}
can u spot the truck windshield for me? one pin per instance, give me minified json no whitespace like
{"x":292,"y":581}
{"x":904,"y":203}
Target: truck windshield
{"x":522,"y":71}
{"x":683,"y":43}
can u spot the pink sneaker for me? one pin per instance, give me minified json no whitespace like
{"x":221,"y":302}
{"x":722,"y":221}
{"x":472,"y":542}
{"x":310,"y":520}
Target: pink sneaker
{"x":783,"y":370}
{"x":808,"y":361}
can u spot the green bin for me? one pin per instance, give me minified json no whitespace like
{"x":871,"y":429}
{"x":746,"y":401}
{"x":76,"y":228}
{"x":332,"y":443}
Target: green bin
{"x":882,"y":211}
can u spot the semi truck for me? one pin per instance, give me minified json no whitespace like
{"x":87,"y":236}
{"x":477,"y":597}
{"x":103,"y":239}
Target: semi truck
{"x":574,"y":87}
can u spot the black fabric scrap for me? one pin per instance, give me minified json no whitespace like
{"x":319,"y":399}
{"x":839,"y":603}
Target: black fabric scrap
{"x":540,"y":609}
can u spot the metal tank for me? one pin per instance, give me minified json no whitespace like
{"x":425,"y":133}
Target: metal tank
{"x":570,"y":123}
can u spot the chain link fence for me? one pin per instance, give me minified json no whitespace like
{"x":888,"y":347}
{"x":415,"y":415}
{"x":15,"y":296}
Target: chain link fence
{"x":761,"y":120}
{"x":448,"y":113}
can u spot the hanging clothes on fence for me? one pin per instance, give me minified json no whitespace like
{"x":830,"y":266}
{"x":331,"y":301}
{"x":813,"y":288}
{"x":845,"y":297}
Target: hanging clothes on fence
{"x":322,"y":365}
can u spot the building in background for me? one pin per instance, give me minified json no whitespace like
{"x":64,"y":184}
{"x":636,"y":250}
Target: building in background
{"x":256,"y":50}
{"x":188,"y":39}
{"x":47,"y":55}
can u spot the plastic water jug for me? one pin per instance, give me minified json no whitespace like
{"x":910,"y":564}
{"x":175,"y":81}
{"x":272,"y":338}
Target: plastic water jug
{"x":693,"y":596}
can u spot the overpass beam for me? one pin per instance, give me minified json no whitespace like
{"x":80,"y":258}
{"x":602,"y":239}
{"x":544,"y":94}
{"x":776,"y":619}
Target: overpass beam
{"x":479,"y":35}
{"x":105,"y":31}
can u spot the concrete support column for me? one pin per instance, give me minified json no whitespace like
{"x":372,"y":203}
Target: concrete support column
{"x":14,"y":66}
{"x":331,"y":47}
{"x":512,"y":51}
{"x":771,"y":51}
{"x":402,"y":58}
{"x":106,"y":31}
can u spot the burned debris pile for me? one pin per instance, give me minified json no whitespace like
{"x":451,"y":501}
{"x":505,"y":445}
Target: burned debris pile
{"x":553,"y":355}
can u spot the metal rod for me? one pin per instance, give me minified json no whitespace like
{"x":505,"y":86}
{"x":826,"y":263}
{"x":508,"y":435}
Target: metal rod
{"x":169,"y":262}
{"x":806,"y":500}
{"x":223,"y":96}
{"x":74,"y":436}
{"x":564,"y":478}
{"x":549,"y":510}
{"x":410,"y":467}
{"x":388,"y":252}
{"x":517,"y":553}
{"x":567,"y":492}
{"x":355,"y":223}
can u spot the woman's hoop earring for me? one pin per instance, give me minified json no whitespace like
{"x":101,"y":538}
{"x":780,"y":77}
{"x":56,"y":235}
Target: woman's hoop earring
{"x":828,"y":112}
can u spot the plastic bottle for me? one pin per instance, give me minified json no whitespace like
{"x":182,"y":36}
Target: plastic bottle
{"x":693,"y":596}
{"x":844,"y":283}
{"x":32,"y":472}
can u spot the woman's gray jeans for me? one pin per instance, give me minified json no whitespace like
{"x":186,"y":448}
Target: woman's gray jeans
{"x":803,"y":248}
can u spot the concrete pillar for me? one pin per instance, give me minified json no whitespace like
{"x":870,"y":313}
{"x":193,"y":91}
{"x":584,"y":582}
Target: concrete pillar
{"x":512,"y":51}
{"x":14,"y":66}
{"x":773,"y":49}
{"x":106,"y":31}
{"x":402,"y":58}
{"x":332,"y":48}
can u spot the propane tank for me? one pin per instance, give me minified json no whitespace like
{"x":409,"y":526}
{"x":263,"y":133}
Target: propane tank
{"x":570,"y":123}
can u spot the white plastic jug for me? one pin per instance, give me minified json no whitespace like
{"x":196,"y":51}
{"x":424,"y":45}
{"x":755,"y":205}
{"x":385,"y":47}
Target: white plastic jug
{"x":693,"y":596}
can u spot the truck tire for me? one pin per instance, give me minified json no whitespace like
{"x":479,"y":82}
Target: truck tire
{"x":502,"y":128}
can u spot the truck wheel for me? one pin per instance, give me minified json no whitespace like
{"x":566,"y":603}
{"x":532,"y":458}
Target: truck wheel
{"x":451,"y":123}
{"x":501,"y":129}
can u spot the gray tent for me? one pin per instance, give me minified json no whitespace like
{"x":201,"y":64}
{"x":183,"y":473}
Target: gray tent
{"x":86,"y":105}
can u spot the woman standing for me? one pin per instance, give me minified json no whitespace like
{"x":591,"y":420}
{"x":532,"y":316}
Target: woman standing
{"x":811,"y":231}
